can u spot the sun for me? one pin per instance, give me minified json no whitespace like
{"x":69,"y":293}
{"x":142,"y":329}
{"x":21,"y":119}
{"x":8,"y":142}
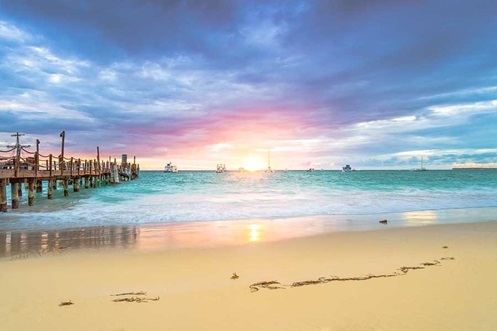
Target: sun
{"x":253,"y":163}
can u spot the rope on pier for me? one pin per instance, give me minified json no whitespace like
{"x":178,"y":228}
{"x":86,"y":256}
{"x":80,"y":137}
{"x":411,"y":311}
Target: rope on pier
{"x":7,"y":151}
{"x":25,"y":150}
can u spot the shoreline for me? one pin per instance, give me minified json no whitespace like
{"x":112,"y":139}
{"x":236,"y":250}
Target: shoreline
{"x":154,"y":237}
{"x":191,"y":288}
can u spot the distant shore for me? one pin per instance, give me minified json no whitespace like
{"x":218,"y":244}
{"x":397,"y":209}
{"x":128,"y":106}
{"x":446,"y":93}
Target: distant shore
{"x":476,"y":168}
{"x":437,"y":277}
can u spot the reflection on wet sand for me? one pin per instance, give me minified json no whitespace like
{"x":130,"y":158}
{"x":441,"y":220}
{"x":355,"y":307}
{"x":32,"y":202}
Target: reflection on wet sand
{"x":160,"y":236}
{"x":225,"y":233}
{"x":18,"y":243}
{"x":219,"y":233}
{"x":423,"y":217}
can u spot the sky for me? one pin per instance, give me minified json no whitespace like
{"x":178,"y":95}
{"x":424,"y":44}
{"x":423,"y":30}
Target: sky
{"x":374,"y":84}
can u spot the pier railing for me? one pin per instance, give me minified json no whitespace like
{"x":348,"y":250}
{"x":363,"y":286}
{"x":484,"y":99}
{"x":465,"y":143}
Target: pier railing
{"x":47,"y":166}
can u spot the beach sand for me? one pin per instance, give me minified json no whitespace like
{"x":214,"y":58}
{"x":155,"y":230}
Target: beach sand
{"x":455,"y":287}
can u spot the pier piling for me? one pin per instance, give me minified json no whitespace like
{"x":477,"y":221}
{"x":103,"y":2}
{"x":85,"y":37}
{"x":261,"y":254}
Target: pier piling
{"x":31,"y":192}
{"x":75,"y":184}
{"x":39,"y":187}
{"x":14,"y":191}
{"x":50,"y":189}
{"x":3,"y":195}
{"x":66,"y":187}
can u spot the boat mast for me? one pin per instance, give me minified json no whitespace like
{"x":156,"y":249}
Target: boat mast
{"x":269,"y":161}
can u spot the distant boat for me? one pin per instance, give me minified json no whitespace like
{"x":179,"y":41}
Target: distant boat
{"x":310,"y":170}
{"x":221,"y":167}
{"x":347,"y":168}
{"x":268,"y":162}
{"x":170,"y":168}
{"x":421,"y":168}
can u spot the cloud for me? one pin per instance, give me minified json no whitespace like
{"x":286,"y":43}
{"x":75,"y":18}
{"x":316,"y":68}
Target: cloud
{"x":334,"y":81}
{"x":11,"y":33}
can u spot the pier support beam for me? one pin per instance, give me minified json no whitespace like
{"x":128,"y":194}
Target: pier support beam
{"x":87,"y":182}
{"x":114,"y":174}
{"x":50,"y":189}
{"x":66,"y":187}
{"x":75,"y":184}
{"x":39,"y":186}
{"x":31,"y":192}
{"x":3,"y":195}
{"x":14,"y":191}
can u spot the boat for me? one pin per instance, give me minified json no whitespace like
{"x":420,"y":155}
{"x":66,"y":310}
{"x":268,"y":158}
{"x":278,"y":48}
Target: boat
{"x":347,"y":168}
{"x":268,"y":162}
{"x":421,"y":168}
{"x":221,"y":167}
{"x":310,"y":170}
{"x":170,"y":168}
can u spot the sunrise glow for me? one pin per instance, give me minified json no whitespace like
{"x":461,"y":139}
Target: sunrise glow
{"x":254,"y":163}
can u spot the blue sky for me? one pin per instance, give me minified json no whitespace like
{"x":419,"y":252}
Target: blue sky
{"x":374,"y":84}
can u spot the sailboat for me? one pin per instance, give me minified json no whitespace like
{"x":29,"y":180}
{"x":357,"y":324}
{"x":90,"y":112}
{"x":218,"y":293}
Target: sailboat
{"x":421,"y":168}
{"x":268,"y":162}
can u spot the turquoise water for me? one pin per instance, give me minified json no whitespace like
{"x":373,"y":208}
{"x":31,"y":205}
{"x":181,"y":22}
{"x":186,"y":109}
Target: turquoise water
{"x":184,"y":197}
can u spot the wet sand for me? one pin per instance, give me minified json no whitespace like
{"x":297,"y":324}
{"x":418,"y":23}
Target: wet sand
{"x":19,"y":243}
{"x":439,"y":277}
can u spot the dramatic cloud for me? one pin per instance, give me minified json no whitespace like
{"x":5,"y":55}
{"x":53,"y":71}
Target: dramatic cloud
{"x":375,"y":84}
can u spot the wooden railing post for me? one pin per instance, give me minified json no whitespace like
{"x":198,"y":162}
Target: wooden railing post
{"x":50,"y":162}
{"x":37,"y":160}
{"x":16,"y":166}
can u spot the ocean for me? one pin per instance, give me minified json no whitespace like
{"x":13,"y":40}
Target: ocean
{"x":337,"y":201}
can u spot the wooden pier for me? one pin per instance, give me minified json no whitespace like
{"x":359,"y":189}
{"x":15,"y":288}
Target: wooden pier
{"x":31,"y":168}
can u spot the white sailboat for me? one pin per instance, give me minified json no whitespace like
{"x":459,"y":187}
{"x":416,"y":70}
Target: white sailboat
{"x":422,"y":168}
{"x":268,"y":162}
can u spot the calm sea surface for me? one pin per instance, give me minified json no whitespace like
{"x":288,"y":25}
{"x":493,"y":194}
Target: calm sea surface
{"x":184,"y":197}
